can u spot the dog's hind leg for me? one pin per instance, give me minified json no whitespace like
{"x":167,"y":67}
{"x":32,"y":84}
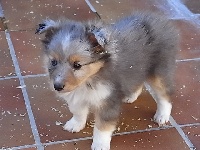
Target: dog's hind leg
{"x":161,"y":91}
{"x":133,"y":97}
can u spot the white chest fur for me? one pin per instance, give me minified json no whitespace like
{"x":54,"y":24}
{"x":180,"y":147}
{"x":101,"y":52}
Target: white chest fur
{"x":94,"y":96}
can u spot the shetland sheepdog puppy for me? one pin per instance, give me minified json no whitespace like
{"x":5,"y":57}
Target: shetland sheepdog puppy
{"x":96,"y":66}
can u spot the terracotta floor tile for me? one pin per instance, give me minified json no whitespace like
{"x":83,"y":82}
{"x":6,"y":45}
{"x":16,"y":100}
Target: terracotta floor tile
{"x":193,"y":5}
{"x":153,"y":140}
{"x":189,"y":39}
{"x":186,"y":97}
{"x":14,"y":121}
{"x":138,"y":115}
{"x":6,"y":64}
{"x":30,"y":13}
{"x":28,"y":51}
{"x":115,"y":9}
{"x":193,"y":133}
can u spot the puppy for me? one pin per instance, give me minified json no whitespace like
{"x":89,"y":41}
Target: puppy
{"x":95,"y":67}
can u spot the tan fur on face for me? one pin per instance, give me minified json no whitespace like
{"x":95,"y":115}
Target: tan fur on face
{"x":74,"y":58}
{"x":80,"y":76}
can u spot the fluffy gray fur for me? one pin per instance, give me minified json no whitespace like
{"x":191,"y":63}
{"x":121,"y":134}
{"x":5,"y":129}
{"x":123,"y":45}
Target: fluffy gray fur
{"x":137,"y":48}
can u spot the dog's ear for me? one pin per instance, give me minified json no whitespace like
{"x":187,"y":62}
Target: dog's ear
{"x":96,"y":47}
{"x":92,"y":39}
{"x":46,"y":26}
{"x":49,"y":27}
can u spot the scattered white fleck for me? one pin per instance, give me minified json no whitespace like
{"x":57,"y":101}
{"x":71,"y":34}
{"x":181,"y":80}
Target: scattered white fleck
{"x":22,"y":115}
{"x":9,"y":112}
{"x":10,"y":74}
{"x":58,"y":123}
{"x":118,"y":129}
{"x":136,"y":107}
{"x":194,"y":118}
{"x":54,"y":109}
{"x":97,"y":2}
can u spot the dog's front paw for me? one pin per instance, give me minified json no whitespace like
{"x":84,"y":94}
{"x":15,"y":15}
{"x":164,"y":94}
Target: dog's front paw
{"x":161,"y":118}
{"x":100,"y":146}
{"x":163,"y":113}
{"x":73,"y":125}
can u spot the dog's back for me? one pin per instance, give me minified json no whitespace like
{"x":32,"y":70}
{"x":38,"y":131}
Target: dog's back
{"x":146,"y":47}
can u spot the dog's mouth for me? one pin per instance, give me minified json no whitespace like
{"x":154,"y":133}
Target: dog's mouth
{"x":62,"y":91}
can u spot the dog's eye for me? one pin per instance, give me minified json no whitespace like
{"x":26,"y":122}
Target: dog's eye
{"x":77,"y":65}
{"x":54,"y":62}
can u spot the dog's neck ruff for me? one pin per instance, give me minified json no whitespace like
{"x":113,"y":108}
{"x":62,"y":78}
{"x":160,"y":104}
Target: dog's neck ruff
{"x":92,"y":95}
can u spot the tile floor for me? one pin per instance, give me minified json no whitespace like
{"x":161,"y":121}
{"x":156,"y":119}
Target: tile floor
{"x":31,"y":116}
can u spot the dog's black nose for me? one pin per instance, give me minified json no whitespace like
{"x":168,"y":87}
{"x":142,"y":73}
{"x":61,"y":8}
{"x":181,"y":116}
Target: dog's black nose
{"x":59,"y":86}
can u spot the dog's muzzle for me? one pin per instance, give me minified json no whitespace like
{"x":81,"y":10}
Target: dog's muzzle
{"x":59,"y":86}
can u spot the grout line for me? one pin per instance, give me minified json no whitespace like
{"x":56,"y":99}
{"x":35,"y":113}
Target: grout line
{"x":189,"y":125}
{"x":68,"y":141}
{"x":1,"y":11}
{"x":186,"y":60}
{"x":36,"y":75}
{"x":145,"y":130}
{"x":7,"y":78}
{"x":19,"y":147}
{"x":90,"y":5}
{"x":92,"y":8}
{"x":26,"y":76}
{"x":24,"y":92}
{"x":182,"y":134}
{"x":116,"y":134}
